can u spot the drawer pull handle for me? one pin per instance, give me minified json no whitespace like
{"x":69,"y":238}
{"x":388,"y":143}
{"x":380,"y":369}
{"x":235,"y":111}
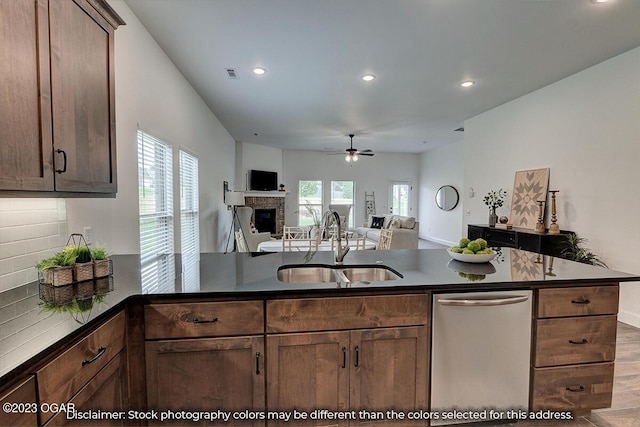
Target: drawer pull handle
{"x":344,"y":357}
{"x":64,"y":164}
{"x":100,"y":352}
{"x":576,"y":389}
{"x":581,"y":301}
{"x":257,"y":363}
{"x":357,"y":362}
{"x":583,"y":341}
{"x":196,"y":320}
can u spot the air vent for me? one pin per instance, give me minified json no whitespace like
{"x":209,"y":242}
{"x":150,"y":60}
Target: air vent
{"x":232,"y":73}
{"x":459,"y":130}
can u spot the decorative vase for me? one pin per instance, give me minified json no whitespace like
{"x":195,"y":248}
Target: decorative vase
{"x":493,"y":217}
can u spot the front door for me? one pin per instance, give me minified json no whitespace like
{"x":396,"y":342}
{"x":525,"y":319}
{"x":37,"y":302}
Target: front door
{"x":400,"y":198}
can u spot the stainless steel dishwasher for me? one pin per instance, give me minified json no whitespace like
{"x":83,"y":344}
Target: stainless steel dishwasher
{"x":480,"y":352}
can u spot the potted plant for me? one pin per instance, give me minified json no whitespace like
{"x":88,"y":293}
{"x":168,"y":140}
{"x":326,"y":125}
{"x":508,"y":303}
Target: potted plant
{"x":58,"y":269}
{"x":83,"y":267}
{"x":494,"y":199}
{"x":574,"y":251}
{"x":101,"y":261}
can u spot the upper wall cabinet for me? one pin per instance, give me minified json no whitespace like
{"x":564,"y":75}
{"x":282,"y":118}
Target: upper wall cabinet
{"x":57,"y":103}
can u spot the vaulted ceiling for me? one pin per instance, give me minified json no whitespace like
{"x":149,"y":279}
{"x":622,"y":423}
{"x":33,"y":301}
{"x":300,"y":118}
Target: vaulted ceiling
{"x":316,"y":51}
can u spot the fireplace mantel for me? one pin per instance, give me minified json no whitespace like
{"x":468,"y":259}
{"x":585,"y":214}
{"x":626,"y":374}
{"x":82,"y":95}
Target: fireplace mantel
{"x":265,"y":193}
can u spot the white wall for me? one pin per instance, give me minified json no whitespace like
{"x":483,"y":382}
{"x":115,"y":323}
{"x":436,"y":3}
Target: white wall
{"x":254,"y":156}
{"x":371,"y":174}
{"x":151,"y":93}
{"x":438,"y":167}
{"x":586,"y":128}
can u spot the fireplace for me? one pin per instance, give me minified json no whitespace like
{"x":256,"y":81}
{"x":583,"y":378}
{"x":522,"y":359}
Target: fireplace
{"x":265,"y":219}
{"x":275,"y":208}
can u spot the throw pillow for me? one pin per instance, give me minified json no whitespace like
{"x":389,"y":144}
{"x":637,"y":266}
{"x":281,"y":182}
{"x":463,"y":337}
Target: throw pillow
{"x":377,"y":221}
{"x":408,"y":222}
{"x":394,"y":223}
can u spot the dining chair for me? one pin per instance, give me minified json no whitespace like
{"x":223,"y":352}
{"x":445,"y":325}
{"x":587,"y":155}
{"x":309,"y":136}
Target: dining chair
{"x":385,"y":239}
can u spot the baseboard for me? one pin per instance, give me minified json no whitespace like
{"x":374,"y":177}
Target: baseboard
{"x":436,"y":240}
{"x":629,"y":318}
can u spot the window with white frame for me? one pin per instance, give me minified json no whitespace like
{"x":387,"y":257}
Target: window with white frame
{"x":342,"y":193}
{"x":189,"y":222}
{"x":155,"y":188}
{"x":189,"y":209}
{"x":309,"y":202}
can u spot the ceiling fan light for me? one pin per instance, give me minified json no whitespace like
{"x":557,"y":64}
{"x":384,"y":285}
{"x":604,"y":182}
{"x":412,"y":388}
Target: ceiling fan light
{"x":347,"y":157}
{"x":355,"y":157}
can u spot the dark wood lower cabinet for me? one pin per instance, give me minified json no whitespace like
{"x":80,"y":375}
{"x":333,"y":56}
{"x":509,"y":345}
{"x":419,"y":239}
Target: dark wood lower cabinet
{"x":206,"y":374}
{"x":360,"y":373}
{"x":105,"y":392}
{"x":23,"y":393}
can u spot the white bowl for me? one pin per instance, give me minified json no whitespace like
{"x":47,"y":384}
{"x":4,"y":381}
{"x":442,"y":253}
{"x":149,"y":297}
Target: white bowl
{"x":475,"y":258}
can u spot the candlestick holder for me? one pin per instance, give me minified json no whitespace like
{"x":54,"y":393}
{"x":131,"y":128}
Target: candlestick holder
{"x":540,"y":223}
{"x":553,"y":227}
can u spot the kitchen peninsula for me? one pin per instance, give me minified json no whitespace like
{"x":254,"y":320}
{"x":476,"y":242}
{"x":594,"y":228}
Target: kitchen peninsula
{"x":209,"y":337}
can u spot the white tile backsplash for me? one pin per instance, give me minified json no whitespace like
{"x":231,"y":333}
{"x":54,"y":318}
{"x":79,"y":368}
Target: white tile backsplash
{"x":30,"y":229}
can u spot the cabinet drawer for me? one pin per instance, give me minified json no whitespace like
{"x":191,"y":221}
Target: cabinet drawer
{"x":574,"y":340}
{"x":317,"y":314}
{"x":575,"y":388}
{"x":580,"y":301}
{"x":104,"y":392}
{"x":501,"y":238}
{"x":203,"y":319}
{"x":65,"y":375}
{"x":23,"y":393}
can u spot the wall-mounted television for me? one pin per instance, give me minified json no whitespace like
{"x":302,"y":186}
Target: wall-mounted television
{"x":263,"y":180}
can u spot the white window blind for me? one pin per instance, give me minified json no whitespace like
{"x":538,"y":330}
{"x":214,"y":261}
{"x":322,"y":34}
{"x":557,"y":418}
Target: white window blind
{"x":155,"y":186}
{"x":189,"y":223}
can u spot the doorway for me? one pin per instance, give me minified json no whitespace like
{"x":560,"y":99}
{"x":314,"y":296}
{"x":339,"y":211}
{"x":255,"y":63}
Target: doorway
{"x":400,"y":198}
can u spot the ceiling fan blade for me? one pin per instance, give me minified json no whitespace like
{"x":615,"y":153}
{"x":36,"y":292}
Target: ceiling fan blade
{"x":362,"y":153}
{"x":368,"y":150}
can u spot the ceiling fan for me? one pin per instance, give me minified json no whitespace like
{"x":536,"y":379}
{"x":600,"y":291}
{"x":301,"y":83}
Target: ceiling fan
{"x":353,"y":154}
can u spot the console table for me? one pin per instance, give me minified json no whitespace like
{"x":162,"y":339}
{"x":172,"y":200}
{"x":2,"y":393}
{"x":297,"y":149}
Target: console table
{"x":521,"y":238}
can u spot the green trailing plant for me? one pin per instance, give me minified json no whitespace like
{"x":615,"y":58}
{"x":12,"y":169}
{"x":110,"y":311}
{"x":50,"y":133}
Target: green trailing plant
{"x":64,"y":258}
{"x":99,"y":253}
{"x":574,"y":251}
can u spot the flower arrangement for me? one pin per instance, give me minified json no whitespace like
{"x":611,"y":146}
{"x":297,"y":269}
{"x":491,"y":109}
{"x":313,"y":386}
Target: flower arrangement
{"x":495,"y":199}
{"x":312,"y":212}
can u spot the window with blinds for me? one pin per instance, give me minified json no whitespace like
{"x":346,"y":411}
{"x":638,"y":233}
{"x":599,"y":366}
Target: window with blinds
{"x":189,"y":222}
{"x":155,"y":186}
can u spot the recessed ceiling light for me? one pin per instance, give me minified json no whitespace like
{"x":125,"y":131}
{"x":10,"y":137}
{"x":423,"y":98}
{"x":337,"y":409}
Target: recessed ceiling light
{"x":600,"y":1}
{"x":259,"y":71}
{"x":368,"y":77}
{"x":467,"y":83}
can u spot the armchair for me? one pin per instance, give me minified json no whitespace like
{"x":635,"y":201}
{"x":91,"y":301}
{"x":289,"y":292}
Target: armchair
{"x":244,"y":224}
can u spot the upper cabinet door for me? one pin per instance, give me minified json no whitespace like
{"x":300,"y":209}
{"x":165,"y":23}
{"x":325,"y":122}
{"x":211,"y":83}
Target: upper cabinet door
{"x":82,"y":87}
{"x":25,"y":109}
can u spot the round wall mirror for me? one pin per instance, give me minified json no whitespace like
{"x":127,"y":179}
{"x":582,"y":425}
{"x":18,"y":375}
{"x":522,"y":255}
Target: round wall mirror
{"x":447,"y":197}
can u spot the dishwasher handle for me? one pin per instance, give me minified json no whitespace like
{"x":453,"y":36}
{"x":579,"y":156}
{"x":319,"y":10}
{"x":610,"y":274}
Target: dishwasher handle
{"x":469,"y":302}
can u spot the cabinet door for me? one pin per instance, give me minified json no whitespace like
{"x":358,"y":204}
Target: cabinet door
{"x":104,"y":392}
{"x":25,"y":109}
{"x":206,"y":375}
{"x":23,"y":393}
{"x":82,"y":86}
{"x":389,"y":370}
{"x":308,"y":371}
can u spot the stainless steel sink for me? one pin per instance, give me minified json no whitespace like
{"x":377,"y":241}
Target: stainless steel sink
{"x":302,"y":273}
{"x":369,"y":274}
{"x":307,"y":274}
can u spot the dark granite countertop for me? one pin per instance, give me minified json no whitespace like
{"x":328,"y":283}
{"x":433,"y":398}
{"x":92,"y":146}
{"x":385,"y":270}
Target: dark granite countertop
{"x":27,"y":328}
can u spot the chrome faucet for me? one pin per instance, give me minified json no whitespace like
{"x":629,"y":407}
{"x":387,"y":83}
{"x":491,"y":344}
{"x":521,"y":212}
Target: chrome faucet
{"x":340,"y":251}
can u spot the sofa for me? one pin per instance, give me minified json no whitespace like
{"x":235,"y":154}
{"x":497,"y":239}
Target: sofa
{"x":404,"y":230}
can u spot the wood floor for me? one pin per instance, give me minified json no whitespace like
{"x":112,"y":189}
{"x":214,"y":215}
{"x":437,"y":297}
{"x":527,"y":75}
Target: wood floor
{"x":625,"y":407}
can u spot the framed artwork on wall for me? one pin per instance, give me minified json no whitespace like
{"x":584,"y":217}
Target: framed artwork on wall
{"x":529,"y":186}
